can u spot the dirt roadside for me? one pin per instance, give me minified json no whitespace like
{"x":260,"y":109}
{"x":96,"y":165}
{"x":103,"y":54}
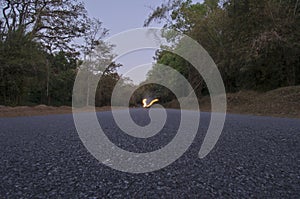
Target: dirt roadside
{"x":42,"y":110}
{"x":282,"y":102}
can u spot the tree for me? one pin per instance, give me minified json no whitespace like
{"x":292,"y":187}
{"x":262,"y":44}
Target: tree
{"x":21,"y":59}
{"x":53,"y":23}
{"x":105,"y":88}
{"x":63,"y":68}
{"x":268,"y":42}
{"x":93,"y":36}
{"x":38,"y":60}
{"x":185,"y":17}
{"x":98,"y":63}
{"x":254,"y":43}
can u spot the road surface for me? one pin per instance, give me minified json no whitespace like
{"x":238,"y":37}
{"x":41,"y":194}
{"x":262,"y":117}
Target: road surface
{"x":255,"y":157}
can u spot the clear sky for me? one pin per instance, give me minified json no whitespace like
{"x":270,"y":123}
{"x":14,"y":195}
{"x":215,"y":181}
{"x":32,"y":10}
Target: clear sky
{"x":121,"y":15}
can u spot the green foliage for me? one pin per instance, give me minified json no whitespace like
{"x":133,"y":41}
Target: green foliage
{"x":61,"y":79}
{"x":105,"y":88}
{"x":20,"y":60}
{"x":255,"y":44}
{"x":159,"y":73}
{"x":38,"y":61}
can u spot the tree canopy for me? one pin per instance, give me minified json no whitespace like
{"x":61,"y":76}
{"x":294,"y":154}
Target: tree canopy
{"x":39,"y":58}
{"x":255,"y":44}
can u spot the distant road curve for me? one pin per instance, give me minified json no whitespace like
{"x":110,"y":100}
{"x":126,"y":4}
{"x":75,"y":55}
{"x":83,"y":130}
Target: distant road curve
{"x":255,"y":157}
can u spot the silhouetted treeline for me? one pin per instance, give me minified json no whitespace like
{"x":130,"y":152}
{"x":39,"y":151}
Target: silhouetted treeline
{"x":38,"y":58}
{"x":255,"y":43}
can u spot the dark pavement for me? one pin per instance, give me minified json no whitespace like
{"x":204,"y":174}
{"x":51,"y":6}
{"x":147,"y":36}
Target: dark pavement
{"x":255,"y":157}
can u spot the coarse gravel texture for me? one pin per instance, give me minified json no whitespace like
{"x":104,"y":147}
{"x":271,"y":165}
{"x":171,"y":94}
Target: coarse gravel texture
{"x":255,"y":157}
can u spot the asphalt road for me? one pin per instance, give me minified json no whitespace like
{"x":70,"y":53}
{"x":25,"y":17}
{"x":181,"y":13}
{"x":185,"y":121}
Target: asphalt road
{"x":255,"y":157}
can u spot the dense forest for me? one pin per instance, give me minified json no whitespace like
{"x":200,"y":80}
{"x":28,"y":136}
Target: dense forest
{"x":255,"y":44}
{"x":39,"y":57}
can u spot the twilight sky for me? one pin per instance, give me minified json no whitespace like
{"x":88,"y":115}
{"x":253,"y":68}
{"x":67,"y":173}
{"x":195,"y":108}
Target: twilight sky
{"x":118,"y":16}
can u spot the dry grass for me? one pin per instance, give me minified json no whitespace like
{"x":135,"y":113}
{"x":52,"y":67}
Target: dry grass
{"x":282,"y":102}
